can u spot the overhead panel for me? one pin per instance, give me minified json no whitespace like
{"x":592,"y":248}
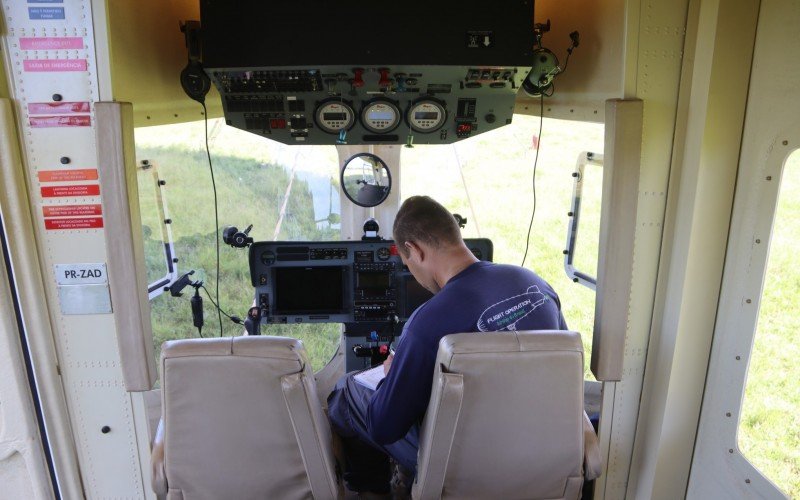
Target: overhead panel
{"x":335,"y":73}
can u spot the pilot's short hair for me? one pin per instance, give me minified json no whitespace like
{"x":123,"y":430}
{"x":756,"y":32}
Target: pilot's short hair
{"x":423,"y":219}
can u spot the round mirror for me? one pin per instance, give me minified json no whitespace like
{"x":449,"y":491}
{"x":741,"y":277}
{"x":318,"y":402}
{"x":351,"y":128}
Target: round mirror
{"x":366,"y":180}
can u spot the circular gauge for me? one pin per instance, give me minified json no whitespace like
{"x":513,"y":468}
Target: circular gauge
{"x":335,"y":116}
{"x":426,"y":115}
{"x":380,"y":116}
{"x":383,"y":253}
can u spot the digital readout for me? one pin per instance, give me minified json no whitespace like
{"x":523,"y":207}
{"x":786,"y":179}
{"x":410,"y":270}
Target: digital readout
{"x":334,"y":116}
{"x":380,"y":115}
{"x":426,"y":115}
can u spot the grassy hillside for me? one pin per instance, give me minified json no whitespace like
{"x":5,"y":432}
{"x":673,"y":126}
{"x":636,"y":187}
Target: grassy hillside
{"x":247,"y":190}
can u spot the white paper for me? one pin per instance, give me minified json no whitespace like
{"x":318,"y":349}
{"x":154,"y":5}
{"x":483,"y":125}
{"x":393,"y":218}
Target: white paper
{"x":370,"y":378}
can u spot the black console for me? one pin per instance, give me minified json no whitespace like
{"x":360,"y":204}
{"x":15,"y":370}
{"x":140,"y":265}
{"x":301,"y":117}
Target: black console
{"x":351,"y":282}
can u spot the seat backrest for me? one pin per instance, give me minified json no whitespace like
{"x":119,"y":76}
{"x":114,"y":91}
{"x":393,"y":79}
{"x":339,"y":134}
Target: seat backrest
{"x":242,"y":420}
{"x":505,"y":418}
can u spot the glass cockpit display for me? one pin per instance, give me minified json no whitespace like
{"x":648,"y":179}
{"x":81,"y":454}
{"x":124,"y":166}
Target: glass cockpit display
{"x":351,"y":282}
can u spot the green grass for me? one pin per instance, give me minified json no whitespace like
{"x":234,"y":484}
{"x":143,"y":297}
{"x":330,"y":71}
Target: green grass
{"x":253,"y":173}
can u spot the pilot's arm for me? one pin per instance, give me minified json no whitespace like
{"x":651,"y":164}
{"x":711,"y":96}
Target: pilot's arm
{"x":402,"y":398}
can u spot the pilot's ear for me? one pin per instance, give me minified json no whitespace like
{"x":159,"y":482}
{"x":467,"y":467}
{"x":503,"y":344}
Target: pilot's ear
{"x":414,"y":250}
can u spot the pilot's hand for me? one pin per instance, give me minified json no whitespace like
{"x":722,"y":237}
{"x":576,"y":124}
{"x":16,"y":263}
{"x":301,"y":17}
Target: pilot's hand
{"x":387,"y":364}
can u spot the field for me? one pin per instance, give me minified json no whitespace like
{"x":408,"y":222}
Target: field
{"x":487,"y":179}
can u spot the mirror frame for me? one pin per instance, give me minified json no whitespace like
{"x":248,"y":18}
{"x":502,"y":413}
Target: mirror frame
{"x":388,"y":176}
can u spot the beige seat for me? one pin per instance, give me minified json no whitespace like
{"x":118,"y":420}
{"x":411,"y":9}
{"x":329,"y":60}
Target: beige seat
{"x":505,"y":419}
{"x":241,"y":420}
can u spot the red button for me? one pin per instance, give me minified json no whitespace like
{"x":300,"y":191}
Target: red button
{"x":393,"y":249}
{"x":358,"y":80}
{"x":384,"y":350}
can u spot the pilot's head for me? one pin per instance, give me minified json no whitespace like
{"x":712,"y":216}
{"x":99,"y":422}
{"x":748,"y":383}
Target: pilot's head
{"x":425,"y":234}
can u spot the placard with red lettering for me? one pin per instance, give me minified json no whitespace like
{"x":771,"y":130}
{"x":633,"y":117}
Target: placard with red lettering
{"x":71,"y":210}
{"x":60,"y":121}
{"x":58,"y":108}
{"x":78,"y":174}
{"x":70,"y":191}
{"x":50,"y":43}
{"x":73,"y":223}
{"x":54,"y":65}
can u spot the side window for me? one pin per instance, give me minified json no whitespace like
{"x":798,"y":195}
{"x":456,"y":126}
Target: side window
{"x":489,"y":180}
{"x":286,"y":193}
{"x":769,"y":434}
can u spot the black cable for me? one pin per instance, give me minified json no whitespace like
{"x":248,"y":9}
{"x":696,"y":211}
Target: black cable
{"x":566,"y":61}
{"x":575,"y":37}
{"x":235,"y":319}
{"x":216,"y":213}
{"x":535,"y":163}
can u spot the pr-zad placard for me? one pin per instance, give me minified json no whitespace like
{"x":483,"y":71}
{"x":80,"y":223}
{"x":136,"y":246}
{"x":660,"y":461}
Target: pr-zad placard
{"x":78,"y":174}
{"x":71,"y":210}
{"x":73,"y":223}
{"x":70,"y":191}
{"x":81,"y":274}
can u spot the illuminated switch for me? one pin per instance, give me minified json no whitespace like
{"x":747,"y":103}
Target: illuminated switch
{"x":463,"y":129}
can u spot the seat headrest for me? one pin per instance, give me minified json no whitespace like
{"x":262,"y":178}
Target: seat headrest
{"x":507,"y":342}
{"x":254,"y":347}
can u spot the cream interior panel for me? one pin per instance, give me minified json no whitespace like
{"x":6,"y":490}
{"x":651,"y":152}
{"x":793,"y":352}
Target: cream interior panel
{"x":147,"y":55}
{"x":85,"y":344}
{"x":771,"y":133}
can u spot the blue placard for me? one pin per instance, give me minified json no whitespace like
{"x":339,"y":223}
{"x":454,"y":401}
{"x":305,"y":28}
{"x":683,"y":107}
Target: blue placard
{"x":45,"y":13}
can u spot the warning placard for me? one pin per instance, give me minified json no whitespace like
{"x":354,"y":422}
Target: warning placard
{"x":60,"y":121}
{"x":71,"y":210}
{"x":78,"y":174}
{"x":58,"y":108}
{"x":69,"y":191}
{"x":77,"y":223}
{"x":55,"y":65}
{"x":50,"y":43}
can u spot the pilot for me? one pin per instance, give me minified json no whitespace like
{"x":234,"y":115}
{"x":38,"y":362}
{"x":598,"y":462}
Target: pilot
{"x":469,"y":296}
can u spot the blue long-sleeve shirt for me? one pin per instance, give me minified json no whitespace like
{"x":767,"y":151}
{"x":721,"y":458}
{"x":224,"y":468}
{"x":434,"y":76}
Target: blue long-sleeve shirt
{"x":482,"y":297}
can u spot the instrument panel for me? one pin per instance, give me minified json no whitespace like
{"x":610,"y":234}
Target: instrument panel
{"x":386,"y":76}
{"x":388,"y":105}
{"x":338,"y":282}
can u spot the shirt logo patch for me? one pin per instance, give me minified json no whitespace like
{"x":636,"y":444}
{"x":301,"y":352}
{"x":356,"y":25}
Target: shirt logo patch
{"x":505,"y":315}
